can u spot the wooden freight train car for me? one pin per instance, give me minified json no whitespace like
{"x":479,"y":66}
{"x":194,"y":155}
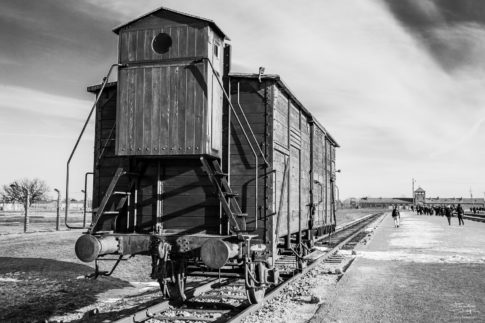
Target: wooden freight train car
{"x":206,"y":171}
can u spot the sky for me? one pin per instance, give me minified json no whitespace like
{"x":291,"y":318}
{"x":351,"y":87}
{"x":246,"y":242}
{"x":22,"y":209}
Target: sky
{"x":400,"y":84}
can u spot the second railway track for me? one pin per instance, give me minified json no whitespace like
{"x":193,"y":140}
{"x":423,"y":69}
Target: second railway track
{"x":224,"y":300}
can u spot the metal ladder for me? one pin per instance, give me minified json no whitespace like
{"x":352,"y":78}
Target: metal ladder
{"x":105,"y":220}
{"x":218,"y":178}
{"x":250,"y":138}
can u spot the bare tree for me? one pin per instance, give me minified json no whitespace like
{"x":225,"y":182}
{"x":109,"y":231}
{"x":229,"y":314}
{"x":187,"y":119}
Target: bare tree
{"x":25,"y":191}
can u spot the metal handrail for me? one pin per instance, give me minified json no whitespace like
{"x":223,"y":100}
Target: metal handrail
{"x":105,"y":81}
{"x":85,"y":196}
{"x":250,"y":129}
{"x":245,"y":135}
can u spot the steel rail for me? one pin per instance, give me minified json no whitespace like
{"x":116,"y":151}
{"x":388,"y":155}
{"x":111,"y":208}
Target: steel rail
{"x":153,"y":310}
{"x":474,"y":217}
{"x":273,"y":293}
{"x":346,"y":226}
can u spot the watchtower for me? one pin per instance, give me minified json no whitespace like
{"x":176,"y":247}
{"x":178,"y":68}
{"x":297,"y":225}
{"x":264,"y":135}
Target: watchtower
{"x":169,"y":100}
{"x":419,"y":196}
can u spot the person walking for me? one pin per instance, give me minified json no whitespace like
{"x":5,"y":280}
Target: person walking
{"x":396,"y":216}
{"x":459,"y":212}
{"x":448,"y":214}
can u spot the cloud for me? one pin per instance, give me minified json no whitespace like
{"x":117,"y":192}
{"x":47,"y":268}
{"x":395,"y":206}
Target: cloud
{"x":38,"y":102}
{"x":399,"y":84}
{"x":38,"y":131}
{"x":55,"y":46}
{"x":453,"y":32}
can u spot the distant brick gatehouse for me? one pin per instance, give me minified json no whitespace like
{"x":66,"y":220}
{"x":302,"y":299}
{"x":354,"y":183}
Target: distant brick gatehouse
{"x":466,"y":203}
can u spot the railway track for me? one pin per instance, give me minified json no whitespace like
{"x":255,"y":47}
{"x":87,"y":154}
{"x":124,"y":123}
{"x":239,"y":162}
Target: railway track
{"x":479,"y":217}
{"x":224,"y":300}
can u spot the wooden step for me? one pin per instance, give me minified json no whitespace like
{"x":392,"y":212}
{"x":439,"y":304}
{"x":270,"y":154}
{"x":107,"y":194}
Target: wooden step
{"x":111,"y":212}
{"x":121,"y":193}
{"x":220,"y":174}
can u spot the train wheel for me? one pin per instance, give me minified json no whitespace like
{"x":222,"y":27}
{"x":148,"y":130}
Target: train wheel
{"x":255,"y":295}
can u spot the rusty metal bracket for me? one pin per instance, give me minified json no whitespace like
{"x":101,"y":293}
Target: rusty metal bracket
{"x":105,"y":273}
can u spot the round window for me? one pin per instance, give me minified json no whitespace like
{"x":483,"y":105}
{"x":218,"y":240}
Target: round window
{"x":162,"y":43}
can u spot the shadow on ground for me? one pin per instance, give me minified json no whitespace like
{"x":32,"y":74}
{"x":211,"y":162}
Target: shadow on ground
{"x":33,"y":289}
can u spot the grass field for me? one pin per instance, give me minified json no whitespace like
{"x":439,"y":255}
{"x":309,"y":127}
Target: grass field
{"x":13,"y":222}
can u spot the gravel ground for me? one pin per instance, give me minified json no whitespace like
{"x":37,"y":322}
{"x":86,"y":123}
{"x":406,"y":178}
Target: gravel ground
{"x":41,"y":278}
{"x":299,"y":301}
{"x":423,"y":271}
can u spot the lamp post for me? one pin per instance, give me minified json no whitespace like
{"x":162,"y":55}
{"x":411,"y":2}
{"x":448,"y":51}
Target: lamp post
{"x":58,"y":218}
{"x":26,"y":205}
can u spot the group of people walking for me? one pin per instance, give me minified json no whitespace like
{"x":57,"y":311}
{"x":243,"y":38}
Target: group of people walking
{"x":443,"y":210}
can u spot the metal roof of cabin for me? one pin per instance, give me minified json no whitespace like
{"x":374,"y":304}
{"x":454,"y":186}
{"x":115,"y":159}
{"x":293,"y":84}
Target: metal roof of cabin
{"x":420,"y":190}
{"x":277,"y":79}
{"x":97,"y":87}
{"x":210,"y":22}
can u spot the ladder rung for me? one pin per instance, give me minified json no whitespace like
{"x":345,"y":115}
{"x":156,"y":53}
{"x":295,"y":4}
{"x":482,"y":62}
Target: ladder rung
{"x":241,"y":215}
{"x":131,"y":174}
{"x":121,"y":193}
{"x":231,"y":194}
{"x":111,"y":212}
{"x":220,"y":174}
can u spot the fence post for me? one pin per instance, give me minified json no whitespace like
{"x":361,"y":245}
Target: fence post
{"x":58,"y":218}
{"x":26,"y":219}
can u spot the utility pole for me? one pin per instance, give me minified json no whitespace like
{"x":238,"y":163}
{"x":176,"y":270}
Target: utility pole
{"x":58,"y":208}
{"x":414,"y":198}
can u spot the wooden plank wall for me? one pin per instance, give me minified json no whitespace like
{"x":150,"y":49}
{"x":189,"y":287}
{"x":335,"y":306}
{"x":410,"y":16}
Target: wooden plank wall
{"x":105,"y":162}
{"x":187,"y":41}
{"x":291,"y":135}
{"x":242,"y":161}
{"x":163,"y":110}
{"x":188,"y":201}
{"x":332,"y":171}
{"x":281,"y":158}
{"x":295,"y":168}
{"x":319,"y":174}
{"x":305,"y":172}
{"x":328,"y":185}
